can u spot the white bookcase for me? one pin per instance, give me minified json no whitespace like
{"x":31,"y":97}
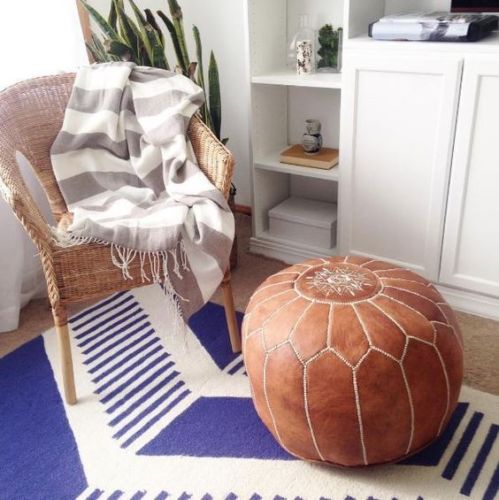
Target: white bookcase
{"x":281,"y":102}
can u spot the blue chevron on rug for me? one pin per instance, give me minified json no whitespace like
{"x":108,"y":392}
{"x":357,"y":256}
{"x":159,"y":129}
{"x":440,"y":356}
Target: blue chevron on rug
{"x":167,"y":416}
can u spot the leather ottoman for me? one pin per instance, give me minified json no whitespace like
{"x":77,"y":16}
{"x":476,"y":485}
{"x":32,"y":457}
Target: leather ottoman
{"x":352,"y":361}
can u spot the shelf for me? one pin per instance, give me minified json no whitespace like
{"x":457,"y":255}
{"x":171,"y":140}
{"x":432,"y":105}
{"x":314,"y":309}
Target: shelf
{"x":271,"y":162}
{"x":286,"y":250}
{"x":291,"y":79}
{"x":488,"y":44}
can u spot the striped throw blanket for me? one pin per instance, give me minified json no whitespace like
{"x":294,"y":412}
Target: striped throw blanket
{"x":129,"y":177}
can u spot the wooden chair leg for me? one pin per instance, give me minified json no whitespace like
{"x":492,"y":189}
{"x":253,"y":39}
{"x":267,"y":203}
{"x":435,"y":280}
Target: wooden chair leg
{"x":230,"y":314}
{"x":61,"y":326}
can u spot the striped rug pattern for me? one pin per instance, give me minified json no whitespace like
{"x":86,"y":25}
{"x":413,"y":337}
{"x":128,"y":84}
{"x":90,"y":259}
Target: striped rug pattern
{"x":134,"y":376}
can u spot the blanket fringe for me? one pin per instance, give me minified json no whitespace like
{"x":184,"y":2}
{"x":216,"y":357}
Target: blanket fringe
{"x":153,"y":267}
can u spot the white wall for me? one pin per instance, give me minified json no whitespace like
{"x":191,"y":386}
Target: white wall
{"x":399,"y":6}
{"x":222,"y":30}
{"x":39,"y":38}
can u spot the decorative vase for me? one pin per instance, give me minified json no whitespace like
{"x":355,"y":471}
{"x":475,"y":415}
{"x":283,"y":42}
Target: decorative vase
{"x":312,"y":138}
{"x":301,"y":53}
{"x":304,"y":52}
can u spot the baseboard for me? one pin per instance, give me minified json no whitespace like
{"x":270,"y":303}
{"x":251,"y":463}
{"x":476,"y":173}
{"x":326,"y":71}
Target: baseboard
{"x":242,"y":209}
{"x":284,"y":252}
{"x":470,"y":302}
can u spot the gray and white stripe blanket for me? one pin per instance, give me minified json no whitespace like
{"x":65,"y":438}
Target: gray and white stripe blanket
{"x":128,"y":175}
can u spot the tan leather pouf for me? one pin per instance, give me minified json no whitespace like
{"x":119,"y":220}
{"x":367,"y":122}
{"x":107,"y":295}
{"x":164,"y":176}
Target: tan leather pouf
{"x":352,"y":361}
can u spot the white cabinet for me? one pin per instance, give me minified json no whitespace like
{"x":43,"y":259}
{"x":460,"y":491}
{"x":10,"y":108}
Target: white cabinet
{"x":470,"y":257}
{"x":398,"y":120}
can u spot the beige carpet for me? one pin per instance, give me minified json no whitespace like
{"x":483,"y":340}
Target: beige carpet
{"x":481,"y":336}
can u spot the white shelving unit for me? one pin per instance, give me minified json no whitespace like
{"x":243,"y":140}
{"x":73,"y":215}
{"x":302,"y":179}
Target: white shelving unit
{"x":489,"y":45}
{"x":291,"y":79}
{"x":281,"y":102}
{"x":401,"y":199}
{"x":271,"y":162}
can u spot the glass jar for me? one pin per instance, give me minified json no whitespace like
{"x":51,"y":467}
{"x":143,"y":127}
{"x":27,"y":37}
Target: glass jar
{"x":301,"y":48}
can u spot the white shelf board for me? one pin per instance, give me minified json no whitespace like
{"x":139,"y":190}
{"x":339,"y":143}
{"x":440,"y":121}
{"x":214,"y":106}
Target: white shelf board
{"x":291,"y":79}
{"x":271,"y":162}
{"x":288,"y":251}
{"x":486,"y":45}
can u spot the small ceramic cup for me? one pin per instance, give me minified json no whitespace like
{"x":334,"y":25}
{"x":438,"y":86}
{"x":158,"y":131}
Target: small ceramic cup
{"x":313,"y":127}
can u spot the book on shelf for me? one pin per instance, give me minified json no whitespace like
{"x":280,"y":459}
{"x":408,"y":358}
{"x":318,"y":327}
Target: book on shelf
{"x":434,"y":26}
{"x":325,"y":159}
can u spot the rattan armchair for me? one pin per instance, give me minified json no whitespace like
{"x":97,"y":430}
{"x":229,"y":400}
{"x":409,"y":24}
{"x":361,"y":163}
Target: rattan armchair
{"x":31,"y":115}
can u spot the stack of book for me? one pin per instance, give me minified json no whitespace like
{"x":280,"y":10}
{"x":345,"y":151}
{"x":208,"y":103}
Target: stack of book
{"x":434,"y":26}
{"x":325,"y":159}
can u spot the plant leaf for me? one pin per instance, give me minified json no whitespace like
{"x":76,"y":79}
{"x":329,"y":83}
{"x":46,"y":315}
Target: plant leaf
{"x":113,"y":17}
{"x":131,"y":35}
{"x":150,"y":43}
{"x":177,"y":17}
{"x":158,"y":53}
{"x":141,"y":20}
{"x":99,"y":47}
{"x":205,"y":114}
{"x":176,"y":44}
{"x":215,"y":99}
{"x":175,"y":9}
{"x":141,"y":32}
{"x":101,"y":22}
{"x":152,"y":21}
{"x":199,"y":54}
{"x":125,"y":30}
{"x":122,"y":51}
{"x":93,"y":52}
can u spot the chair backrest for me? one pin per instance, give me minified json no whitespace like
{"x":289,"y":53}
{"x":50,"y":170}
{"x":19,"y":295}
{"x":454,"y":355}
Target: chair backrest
{"x":31,"y":114}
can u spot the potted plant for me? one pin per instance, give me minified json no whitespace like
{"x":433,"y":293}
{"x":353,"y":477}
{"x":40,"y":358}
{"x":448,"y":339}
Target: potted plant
{"x":329,"y":53}
{"x":141,"y":40}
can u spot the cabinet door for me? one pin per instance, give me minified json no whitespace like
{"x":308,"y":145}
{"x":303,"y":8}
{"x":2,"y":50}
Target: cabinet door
{"x":398,"y":121}
{"x":470,"y":256}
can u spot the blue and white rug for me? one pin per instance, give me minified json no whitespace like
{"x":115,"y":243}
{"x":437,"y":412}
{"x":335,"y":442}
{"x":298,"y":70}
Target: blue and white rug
{"x":162,"y":417}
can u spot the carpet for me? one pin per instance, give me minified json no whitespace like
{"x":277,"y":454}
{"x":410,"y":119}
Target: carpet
{"x":163,"y":416}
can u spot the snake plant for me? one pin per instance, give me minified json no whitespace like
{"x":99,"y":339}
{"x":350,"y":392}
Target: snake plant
{"x":140,"y":39}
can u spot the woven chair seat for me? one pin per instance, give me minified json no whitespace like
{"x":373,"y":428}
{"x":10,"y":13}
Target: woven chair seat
{"x":87,"y":271}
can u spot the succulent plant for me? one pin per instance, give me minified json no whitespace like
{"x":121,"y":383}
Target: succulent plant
{"x":141,"y":41}
{"x":329,"y":46}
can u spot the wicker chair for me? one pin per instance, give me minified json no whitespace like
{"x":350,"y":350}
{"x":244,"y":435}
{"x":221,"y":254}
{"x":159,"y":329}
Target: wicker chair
{"x":31,"y":114}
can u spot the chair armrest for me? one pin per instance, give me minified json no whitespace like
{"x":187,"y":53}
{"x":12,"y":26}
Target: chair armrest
{"x":17,"y":195}
{"x":214,"y":159}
